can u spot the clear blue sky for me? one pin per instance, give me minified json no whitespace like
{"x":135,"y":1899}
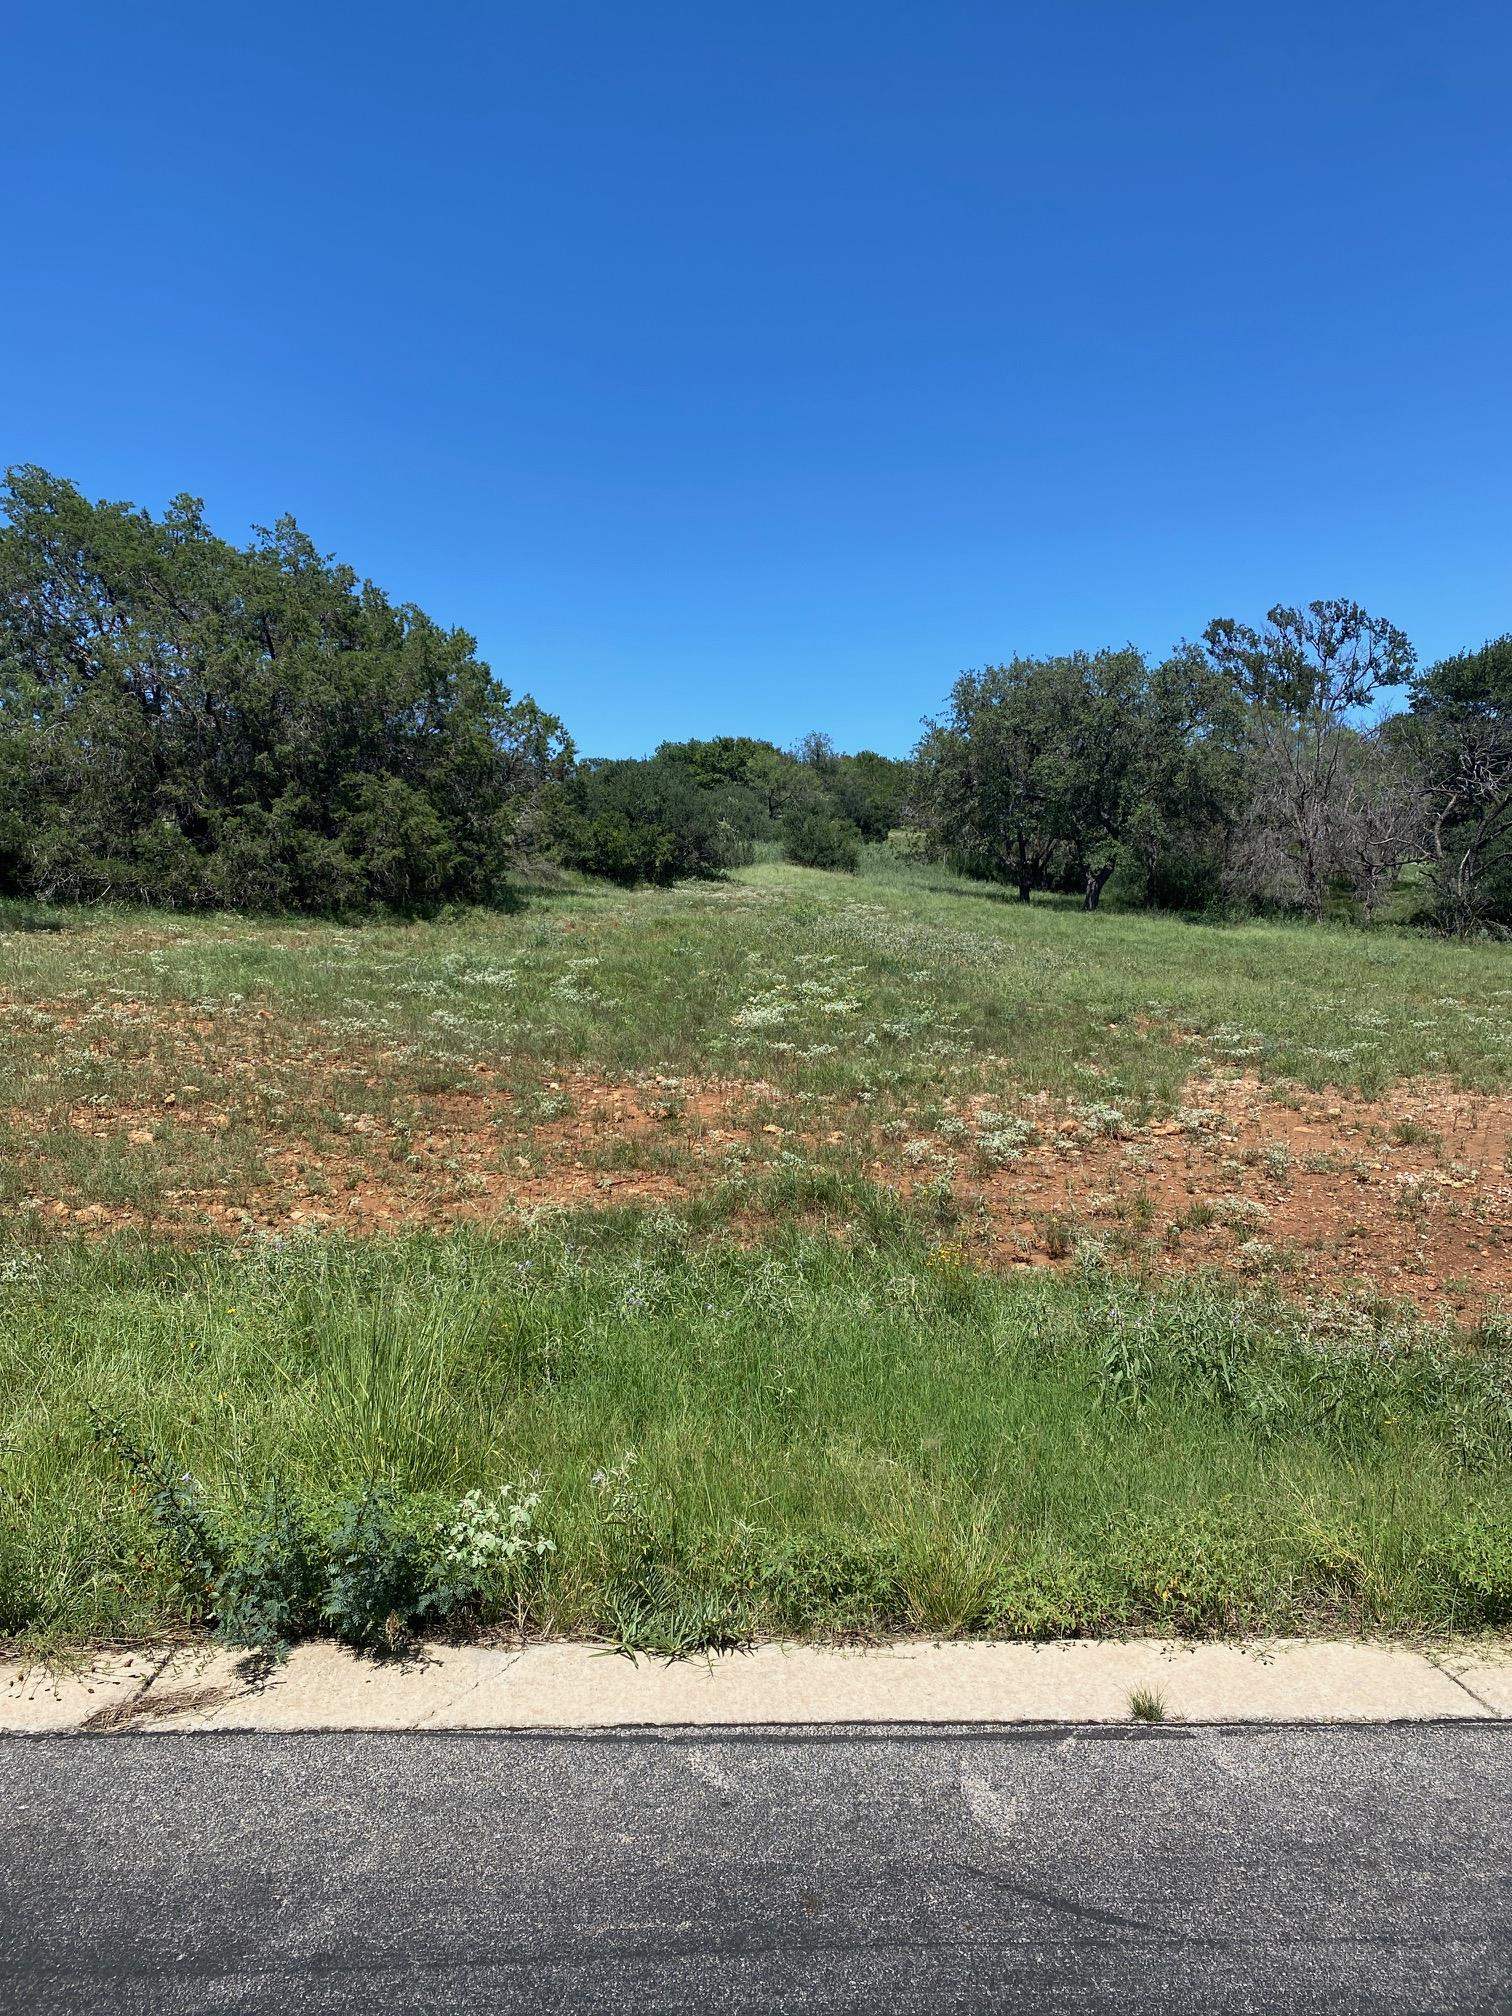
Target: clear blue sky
{"x":757,"y":368}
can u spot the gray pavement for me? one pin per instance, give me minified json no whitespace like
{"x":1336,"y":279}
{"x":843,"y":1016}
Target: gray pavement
{"x":1185,"y":1869}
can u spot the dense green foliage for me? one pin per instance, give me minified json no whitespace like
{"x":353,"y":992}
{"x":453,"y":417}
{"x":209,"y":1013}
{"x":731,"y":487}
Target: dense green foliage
{"x":869,"y":792}
{"x":814,"y":837}
{"x":193,"y":724}
{"x":190,"y":723}
{"x":1244,"y":768}
{"x":698,"y":808}
{"x":1047,"y":771}
{"x":653,"y":821}
{"x":1460,"y":732}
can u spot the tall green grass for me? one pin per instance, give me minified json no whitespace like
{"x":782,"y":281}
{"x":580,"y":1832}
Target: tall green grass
{"x":810,"y":1437}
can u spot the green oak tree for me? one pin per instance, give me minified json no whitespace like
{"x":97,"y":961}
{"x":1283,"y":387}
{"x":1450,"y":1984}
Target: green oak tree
{"x":1459,"y":732}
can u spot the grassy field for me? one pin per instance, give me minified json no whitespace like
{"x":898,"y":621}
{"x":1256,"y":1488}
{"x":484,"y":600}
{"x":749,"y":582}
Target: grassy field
{"x":800,"y":1253}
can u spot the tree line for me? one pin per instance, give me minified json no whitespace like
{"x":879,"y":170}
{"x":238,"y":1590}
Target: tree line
{"x":191,"y":723}
{"x":697,"y":808}
{"x":1251,"y":767}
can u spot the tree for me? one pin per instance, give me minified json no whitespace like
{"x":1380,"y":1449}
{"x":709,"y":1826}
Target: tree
{"x":1302,"y":678}
{"x":188,"y":722}
{"x":815,"y":838}
{"x":1328,"y":659}
{"x":987,"y":787}
{"x":643,"y":820}
{"x":770,"y":775}
{"x":866,"y":790}
{"x":872,"y":792}
{"x":817,"y":751}
{"x":1100,"y":707}
{"x":1460,"y":733}
{"x":1379,"y":820}
{"x":1038,"y":759}
{"x":1188,"y":781}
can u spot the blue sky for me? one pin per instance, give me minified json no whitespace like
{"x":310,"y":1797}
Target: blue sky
{"x":756,"y":369}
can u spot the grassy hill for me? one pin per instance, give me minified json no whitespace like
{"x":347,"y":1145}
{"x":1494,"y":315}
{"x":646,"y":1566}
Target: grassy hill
{"x":808,"y":1252}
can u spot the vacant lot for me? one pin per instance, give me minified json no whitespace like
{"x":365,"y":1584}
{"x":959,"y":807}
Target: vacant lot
{"x":1320,"y":1104}
{"x":839,"y":1253}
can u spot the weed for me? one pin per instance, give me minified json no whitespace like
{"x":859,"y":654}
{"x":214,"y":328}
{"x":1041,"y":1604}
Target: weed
{"x":487,"y":1554}
{"x":1060,"y":1238}
{"x":1239,"y":1213}
{"x":1199,"y":1120}
{"x":1413,"y":1134}
{"x":175,"y":1509}
{"x":267,"y":1592}
{"x":375,"y":1581}
{"x":1125,"y":1364}
{"x":1147,"y":1705}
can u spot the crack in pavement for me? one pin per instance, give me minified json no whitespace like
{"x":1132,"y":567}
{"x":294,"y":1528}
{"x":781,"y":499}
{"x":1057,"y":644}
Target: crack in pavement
{"x":510,"y":1661}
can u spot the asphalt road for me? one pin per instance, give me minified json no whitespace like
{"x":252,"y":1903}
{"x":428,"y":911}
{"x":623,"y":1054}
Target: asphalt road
{"x":1204,"y":1870}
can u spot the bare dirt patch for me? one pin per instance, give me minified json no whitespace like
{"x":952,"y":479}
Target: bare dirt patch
{"x":1411,"y":1192}
{"x":236,"y":1124}
{"x":428,"y":1159}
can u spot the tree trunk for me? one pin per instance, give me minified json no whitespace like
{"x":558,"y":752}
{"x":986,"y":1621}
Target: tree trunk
{"x":1096,"y":877}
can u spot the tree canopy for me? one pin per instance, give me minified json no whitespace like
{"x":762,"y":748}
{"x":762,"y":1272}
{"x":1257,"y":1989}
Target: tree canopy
{"x":1459,"y":732}
{"x":189,"y":722}
{"x":1049,"y":770}
{"x":192,"y":723}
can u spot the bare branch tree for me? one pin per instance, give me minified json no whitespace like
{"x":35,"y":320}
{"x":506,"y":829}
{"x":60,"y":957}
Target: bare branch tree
{"x":1303,"y":677}
{"x":1378,"y":818}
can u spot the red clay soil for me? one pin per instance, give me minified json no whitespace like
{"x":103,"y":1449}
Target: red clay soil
{"x":1410,"y":1193}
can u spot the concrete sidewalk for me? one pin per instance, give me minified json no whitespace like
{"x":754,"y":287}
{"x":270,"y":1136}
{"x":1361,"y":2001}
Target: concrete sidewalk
{"x":583,"y":1687}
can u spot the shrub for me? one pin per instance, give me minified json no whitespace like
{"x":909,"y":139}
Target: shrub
{"x":190,"y":723}
{"x":486,"y":1553}
{"x":1474,"y":1568}
{"x":376,"y":1573}
{"x":372,"y":1571}
{"x":815,"y":838}
{"x":268,"y":1585}
{"x":632,"y":821}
